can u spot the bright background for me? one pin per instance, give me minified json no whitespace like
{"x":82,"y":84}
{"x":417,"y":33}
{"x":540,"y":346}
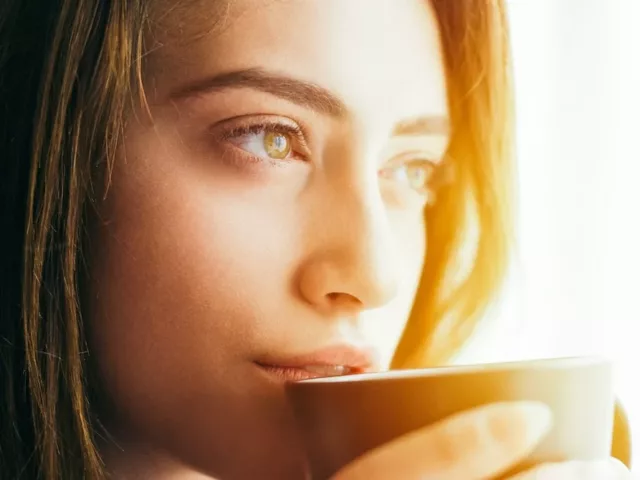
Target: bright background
{"x":575,"y":286}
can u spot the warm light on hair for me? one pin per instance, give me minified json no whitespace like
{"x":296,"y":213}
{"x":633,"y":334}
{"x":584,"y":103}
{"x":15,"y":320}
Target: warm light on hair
{"x":469,"y":227}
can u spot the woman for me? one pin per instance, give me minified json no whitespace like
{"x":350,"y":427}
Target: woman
{"x":203,"y":199}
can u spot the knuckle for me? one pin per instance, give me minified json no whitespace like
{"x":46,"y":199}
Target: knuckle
{"x":456,"y":442}
{"x":462,"y":440}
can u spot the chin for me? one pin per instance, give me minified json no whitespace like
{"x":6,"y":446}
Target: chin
{"x":254,"y":437}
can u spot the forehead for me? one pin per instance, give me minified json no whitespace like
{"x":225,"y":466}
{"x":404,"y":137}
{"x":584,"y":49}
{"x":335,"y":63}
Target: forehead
{"x":376,"y":55}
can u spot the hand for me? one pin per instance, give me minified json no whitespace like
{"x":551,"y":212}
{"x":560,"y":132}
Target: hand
{"x":474,"y":445}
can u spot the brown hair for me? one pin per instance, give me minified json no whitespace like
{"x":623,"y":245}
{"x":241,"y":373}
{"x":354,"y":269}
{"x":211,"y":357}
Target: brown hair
{"x":70,"y":71}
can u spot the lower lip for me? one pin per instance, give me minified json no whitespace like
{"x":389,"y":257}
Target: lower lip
{"x":293,"y":374}
{"x":288,"y":374}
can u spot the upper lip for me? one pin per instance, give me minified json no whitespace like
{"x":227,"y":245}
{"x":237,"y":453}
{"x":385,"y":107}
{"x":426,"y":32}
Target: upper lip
{"x":357,"y":359}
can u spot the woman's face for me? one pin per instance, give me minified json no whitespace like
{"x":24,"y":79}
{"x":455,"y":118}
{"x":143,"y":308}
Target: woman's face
{"x":271,"y":209}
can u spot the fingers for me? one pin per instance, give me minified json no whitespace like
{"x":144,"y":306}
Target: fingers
{"x":472,"y":445}
{"x":610,"y":469}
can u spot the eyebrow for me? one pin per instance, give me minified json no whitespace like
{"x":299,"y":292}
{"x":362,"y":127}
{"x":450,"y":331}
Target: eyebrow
{"x":436,"y":124}
{"x":297,"y":91}
{"x":301,"y":92}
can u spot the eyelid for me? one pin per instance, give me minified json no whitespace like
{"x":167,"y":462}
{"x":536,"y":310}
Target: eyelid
{"x":406,"y":158}
{"x":434,"y":146}
{"x":254,"y":124}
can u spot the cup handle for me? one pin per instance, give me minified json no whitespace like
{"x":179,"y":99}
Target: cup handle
{"x":621,"y":445}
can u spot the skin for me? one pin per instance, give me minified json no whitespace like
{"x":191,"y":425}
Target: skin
{"x":206,"y":260}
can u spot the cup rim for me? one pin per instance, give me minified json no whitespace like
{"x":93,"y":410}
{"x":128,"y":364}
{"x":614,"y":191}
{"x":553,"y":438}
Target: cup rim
{"x":448,"y":370}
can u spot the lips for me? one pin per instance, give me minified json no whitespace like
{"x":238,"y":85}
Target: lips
{"x":329,"y":362}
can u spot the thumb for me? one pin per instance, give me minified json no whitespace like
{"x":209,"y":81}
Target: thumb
{"x":473,"y":445}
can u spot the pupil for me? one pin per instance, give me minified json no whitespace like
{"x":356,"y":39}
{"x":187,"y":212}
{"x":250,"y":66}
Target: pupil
{"x":416,"y":176}
{"x":280,"y":142}
{"x":277,"y":145}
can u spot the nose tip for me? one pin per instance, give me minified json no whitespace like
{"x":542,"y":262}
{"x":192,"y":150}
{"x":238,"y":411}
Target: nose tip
{"x":350,"y":262}
{"x":348,"y":284}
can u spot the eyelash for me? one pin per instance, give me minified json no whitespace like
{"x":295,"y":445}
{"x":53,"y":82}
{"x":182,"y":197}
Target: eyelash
{"x":294,"y":131}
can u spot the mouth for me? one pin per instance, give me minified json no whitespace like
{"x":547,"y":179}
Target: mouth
{"x":334,"y":361}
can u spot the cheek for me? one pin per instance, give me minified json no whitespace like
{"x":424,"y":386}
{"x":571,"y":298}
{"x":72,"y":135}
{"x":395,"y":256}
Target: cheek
{"x":188,"y":281}
{"x":183,"y":290}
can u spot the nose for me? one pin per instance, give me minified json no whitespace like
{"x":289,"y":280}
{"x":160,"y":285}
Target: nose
{"x":351,"y":265}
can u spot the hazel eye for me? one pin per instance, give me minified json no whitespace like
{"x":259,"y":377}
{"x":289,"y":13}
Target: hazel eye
{"x":276,"y":145}
{"x":272,"y":141}
{"x":416,"y":174}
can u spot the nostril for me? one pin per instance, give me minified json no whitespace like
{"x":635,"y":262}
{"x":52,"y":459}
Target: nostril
{"x":343,"y":300}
